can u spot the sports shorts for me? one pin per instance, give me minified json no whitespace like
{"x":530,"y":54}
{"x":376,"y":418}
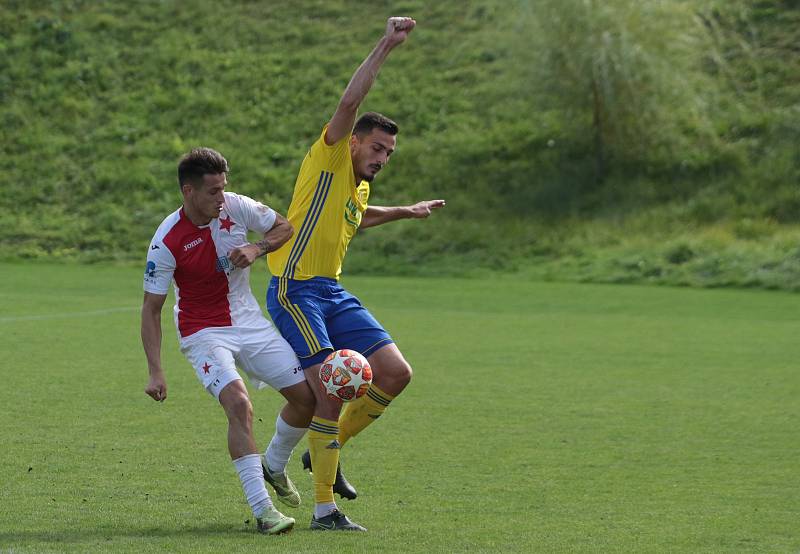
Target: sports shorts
{"x":261,"y":352}
{"x":317,"y":316}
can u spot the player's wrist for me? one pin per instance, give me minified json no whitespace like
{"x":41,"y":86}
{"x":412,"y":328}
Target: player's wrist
{"x":385,"y":45}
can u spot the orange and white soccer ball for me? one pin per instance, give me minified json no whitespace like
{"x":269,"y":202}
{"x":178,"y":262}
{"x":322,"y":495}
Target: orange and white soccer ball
{"x":345,"y":375}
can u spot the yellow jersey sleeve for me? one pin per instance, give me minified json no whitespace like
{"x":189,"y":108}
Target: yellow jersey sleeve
{"x":326,"y":210}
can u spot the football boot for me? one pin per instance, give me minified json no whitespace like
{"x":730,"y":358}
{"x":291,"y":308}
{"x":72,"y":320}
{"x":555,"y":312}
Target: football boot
{"x":335,"y":521}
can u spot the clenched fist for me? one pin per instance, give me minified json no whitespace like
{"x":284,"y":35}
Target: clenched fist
{"x":398,"y":28}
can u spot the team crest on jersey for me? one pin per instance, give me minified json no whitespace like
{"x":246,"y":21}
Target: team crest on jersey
{"x":362,"y":196}
{"x":226,"y":224}
{"x":351,"y":213}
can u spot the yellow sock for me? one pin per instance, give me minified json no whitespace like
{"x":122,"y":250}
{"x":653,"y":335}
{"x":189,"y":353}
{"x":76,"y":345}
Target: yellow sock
{"x":358,"y":414}
{"x":323,"y":445}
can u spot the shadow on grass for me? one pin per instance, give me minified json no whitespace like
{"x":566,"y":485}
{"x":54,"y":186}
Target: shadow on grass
{"x":21,"y":538}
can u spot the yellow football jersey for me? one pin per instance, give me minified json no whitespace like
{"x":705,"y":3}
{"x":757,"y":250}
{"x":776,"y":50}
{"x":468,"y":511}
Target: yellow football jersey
{"x":326,"y":211}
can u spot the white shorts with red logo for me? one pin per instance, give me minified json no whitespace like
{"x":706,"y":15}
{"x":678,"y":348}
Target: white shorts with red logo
{"x":261,"y":352}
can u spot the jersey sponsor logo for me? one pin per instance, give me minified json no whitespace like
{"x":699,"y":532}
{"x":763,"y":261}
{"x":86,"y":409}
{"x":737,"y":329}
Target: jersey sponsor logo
{"x":150,"y":269}
{"x":223,"y":264}
{"x":195,"y":242}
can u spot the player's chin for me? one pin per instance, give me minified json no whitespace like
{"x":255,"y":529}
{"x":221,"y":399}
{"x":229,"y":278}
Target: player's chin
{"x":370,"y":174}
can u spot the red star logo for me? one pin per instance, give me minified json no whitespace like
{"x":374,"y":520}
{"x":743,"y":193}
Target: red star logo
{"x":206,"y":367}
{"x":226,"y":224}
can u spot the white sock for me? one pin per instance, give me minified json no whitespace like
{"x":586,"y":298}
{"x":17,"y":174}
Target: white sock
{"x":252,"y":478}
{"x":324,"y":508}
{"x":282,"y":444}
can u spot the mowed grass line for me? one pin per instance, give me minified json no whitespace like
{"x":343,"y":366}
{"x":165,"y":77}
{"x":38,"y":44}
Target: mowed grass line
{"x":542,"y":418}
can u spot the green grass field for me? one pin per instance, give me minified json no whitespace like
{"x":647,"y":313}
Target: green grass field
{"x":542,"y":418}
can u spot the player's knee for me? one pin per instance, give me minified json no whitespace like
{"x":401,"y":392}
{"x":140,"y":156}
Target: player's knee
{"x":408,"y":373}
{"x":328,"y":408}
{"x":301,"y":397}
{"x":304,"y":401}
{"x":402,"y":373}
{"x":239,"y":408}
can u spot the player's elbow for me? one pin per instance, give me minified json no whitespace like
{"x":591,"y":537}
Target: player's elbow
{"x":287,"y":232}
{"x":284,"y":226}
{"x":349,"y":102}
{"x":280,"y":233}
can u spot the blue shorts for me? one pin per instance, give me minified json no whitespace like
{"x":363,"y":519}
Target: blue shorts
{"x":318,"y":316}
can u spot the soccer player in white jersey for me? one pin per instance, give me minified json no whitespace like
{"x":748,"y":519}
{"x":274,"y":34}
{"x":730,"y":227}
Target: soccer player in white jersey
{"x":202,"y":248}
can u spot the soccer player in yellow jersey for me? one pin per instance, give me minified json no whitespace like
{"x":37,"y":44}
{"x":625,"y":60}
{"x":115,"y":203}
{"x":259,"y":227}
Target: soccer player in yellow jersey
{"x":312,"y":311}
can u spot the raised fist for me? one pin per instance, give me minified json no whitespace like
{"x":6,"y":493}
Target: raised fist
{"x":397,"y":29}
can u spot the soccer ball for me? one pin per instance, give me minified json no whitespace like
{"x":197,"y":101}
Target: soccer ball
{"x":345,"y":375}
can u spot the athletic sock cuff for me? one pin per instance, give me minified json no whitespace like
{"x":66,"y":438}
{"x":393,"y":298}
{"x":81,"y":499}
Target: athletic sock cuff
{"x":281,"y":424}
{"x":324,"y":426}
{"x":379,"y":396}
{"x":248,"y":460}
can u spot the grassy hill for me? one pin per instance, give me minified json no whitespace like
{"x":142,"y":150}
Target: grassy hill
{"x":604,"y":141}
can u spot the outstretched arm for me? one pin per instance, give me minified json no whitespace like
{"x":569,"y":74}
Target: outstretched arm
{"x":278,"y":234}
{"x":378,"y":215}
{"x":341,"y":124}
{"x":151,"y":340}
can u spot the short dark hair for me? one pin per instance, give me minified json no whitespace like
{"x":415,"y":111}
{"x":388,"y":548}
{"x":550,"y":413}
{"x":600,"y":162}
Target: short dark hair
{"x":372,"y":120}
{"x":199,"y":162}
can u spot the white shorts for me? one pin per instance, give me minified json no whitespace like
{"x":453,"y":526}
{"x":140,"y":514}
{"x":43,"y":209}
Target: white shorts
{"x":261,"y":352}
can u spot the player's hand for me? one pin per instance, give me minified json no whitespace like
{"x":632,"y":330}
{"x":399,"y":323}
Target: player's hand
{"x":397,"y":29}
{"x":157,"y":388}
{"x":244,"y":256}
{"x":424,"y":208}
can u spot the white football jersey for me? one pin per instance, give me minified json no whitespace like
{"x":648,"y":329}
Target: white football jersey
{"x":209,"y":290}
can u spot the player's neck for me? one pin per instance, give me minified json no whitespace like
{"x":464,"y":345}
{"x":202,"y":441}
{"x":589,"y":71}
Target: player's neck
{"x":197,"y":219}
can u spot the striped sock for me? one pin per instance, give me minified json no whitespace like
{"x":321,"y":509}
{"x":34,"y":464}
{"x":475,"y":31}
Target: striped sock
{"x":358,"y":414}
{"x":323,"y":445}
